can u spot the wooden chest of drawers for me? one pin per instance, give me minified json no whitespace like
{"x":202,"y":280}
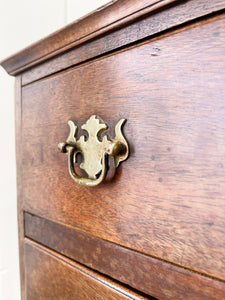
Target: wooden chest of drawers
{"x":155,"y":227}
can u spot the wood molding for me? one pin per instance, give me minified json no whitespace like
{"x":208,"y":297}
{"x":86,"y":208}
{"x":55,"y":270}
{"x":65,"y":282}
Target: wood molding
{"x":113,"y":15}
{"x":153,"y":26}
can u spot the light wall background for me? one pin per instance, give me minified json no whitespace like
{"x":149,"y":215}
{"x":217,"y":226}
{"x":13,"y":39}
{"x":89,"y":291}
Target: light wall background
{"x":22,"y":23}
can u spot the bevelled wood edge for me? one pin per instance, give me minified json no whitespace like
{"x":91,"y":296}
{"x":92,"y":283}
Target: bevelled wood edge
{"x":33,"y":249}
{"x":149,"y":275}
{"x":20,"y":216}
{"x":153,"y":26}
{"x":113,"y":15}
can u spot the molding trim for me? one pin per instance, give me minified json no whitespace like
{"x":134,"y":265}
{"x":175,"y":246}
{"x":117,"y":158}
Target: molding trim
{"x":113,"y":15}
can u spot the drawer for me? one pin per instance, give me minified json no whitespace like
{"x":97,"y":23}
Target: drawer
{"x":167,"y":199}
{"x":51,"y":276}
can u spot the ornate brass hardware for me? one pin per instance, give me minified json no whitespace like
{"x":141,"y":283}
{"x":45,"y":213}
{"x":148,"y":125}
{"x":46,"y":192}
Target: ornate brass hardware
{"x":93,"y":150}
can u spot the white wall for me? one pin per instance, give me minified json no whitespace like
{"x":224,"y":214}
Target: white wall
{"x":21,"y":23}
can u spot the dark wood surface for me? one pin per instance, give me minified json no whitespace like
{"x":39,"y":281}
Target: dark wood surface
{"x":167,"y":199}
{"x":112,"y":15}
{"x":157,"y":224}
{"x":51,"y":276}
{"x":18,"y":136}
{"x":132,"y":268}
{"x":157,"y":22}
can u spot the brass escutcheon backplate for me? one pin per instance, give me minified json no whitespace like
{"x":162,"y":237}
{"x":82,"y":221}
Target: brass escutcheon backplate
{"x":94,"y":150}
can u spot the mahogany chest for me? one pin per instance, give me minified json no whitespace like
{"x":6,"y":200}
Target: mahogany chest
{"x":154,"y":228}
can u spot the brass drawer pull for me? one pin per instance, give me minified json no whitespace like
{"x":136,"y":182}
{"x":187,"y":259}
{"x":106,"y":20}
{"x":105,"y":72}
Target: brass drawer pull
{"x":93,"y":150}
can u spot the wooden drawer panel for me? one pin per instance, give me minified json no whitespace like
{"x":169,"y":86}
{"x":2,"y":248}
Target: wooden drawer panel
{"x":142,"y":272}
{"x":51,"y":276}
{"x":167,"y":200}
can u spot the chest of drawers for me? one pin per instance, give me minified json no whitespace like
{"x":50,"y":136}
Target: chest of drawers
{"x":155,"y":226}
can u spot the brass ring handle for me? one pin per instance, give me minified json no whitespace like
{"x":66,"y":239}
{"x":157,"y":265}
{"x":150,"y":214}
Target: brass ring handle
{"x":93,"y":150}
{"x":83,"y":180}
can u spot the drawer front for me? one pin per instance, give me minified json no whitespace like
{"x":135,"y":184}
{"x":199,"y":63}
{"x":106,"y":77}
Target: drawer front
{"x":142,"y":272}
{"x":51,"y":276}
{"x":167,"y":199}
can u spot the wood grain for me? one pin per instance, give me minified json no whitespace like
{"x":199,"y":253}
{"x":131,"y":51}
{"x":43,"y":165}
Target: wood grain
{"x":112,"y":15}
{"x":51,"y":276}
{"x":157,"y":22}
{"x":167,"y":200}
{"x":134,"y":269}
{"x":18,"y":136}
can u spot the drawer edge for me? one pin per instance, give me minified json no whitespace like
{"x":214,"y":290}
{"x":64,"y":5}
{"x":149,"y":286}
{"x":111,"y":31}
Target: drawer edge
{"x":132,"y":268}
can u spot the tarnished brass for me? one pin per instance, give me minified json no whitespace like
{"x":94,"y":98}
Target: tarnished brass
{"x":93,"y":150}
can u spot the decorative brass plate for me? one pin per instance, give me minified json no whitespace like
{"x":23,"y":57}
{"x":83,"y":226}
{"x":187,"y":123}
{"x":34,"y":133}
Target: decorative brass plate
{"x":94,"y":151}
